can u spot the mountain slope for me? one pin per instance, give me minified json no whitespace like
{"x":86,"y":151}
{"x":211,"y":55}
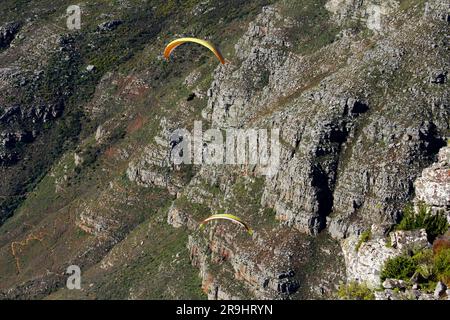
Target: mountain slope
{"x":360,"y":95}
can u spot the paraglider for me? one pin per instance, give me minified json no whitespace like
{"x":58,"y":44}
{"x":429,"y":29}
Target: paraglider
{"x":171,"y":46}
{"x":229,"y":217}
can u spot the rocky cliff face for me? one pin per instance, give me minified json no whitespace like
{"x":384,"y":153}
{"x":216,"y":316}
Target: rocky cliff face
{"x":365,"y":260}
{"x":353,"y":144}
{"x":365,"y":263}
{"x":325,"y":124}
{"x":433,"y":186}
{"x":358,"y":90}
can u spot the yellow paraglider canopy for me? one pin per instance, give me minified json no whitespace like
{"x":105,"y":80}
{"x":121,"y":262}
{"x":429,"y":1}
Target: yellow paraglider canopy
{"x":171,"y":46}
{"x":227,"y":217}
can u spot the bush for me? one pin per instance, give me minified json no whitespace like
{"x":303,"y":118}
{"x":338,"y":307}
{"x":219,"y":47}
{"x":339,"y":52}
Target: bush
{"x":355,"y":291}
{"x":402,"y":268}
{"x":442,"y":266}
{"x":430,"y":267}
{"x":365,"y":236}
{"x":434,"y":224}
{"x":388,"y":242}
{"x":424,"y":261}
{"x":423,"y":256}
{"x":441,"y":243}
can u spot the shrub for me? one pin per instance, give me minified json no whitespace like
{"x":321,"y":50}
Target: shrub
{"x":401,"y":267}
{"x":365,"y":236}
{"x":314,"y":27}
{"x":424,"y":261}
{"x":434,"y":224}
{"x":441,"y":244}
{"x":425,"y":271}
{"x":388,"y":242}
{"x":430,"y":267}
{"x":355,"y":291}
{"x":442,"y":265}
{"x":423,"y":256}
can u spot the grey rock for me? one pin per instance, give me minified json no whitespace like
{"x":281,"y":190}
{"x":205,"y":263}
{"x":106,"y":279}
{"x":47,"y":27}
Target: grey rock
{"x":433,"y":187}
{"x":440,"y":290}
{"x":413,"y":294}
{"x":353,"y":143}
{"x":438,"y":77}
{"x":287,"y":286}
{"x":426,"y":296}
{"x":366,"y":264}
{"x":78,"y":160}
{"x":109,"y":25}
{"x":394,"y":283}
{"x":409,"y":240}
{"x":153,"y":167}
{"x":371,"y":13}
{"x":380,"y":295}
{"x":177,"y":218}
{"x":8,"y":113}
{"x":7,"y":33}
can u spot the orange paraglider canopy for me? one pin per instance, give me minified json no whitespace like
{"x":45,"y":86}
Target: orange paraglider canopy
{"x":171,"y":46}
{"x":227,"y":217}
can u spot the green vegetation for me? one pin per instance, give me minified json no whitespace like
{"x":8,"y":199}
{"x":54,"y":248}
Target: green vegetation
{"x":365,"y":236}
{"x":153,"y":264}
{"x":355,"y":291}
{"x":314,"y":29}
{"x":434,"y":224}
{"x":149,"y":258}
{"x":163,"y":271}
{"x":130,"y":48}
{"x":269,"y":218}
{"x":248,"y":192}
{"x":388,"y":242}
{"x":196,"y":210}
{"x":441,"y":264}
{"x":402,"y":267}
{"x":406,"y":4}
{"x":427,"y":266}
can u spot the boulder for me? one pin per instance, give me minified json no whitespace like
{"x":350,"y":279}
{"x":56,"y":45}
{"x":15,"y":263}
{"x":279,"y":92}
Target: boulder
{"x":393,"y":284}
{"x":438,"y":77}
{"x":440,"y":290}
{"x":408,"y":240}
{"x":109,"y":25}
{"x":7,"y":33}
